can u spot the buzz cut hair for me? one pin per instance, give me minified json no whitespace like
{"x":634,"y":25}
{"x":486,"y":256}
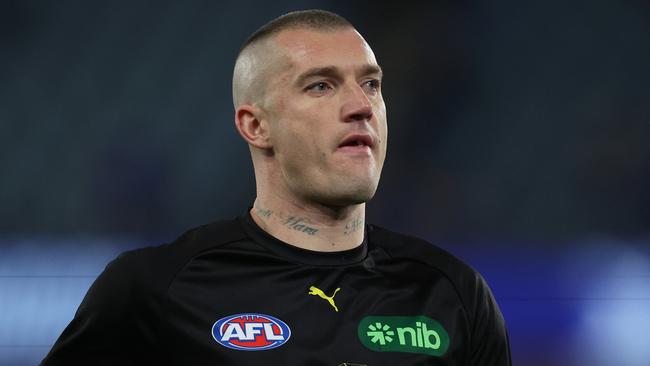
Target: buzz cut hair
{"x":315,"y":19}
{"x":248,"y":79}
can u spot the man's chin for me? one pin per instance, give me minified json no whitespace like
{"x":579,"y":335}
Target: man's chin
{"x":350,"y":195}
{"x":340,"y":191}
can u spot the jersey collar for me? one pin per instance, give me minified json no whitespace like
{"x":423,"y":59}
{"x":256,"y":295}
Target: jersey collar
{"x":301,"y":255}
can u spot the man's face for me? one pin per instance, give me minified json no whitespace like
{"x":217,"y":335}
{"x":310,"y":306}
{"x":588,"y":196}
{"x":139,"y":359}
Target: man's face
{"x":327,"y":116}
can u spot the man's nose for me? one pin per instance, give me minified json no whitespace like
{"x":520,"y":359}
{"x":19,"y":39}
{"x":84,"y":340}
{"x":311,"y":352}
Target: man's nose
{"x":357,"y":106}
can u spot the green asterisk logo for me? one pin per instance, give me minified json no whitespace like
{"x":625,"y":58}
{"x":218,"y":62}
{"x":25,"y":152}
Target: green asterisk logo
{"x":380,"y":333}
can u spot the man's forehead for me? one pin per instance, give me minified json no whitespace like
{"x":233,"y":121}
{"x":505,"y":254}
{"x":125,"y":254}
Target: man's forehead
{"x":308,"y":48}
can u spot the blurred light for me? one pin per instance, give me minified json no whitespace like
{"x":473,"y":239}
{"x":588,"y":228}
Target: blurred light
{"x":615,"y":323}
{"x":42,"y":283}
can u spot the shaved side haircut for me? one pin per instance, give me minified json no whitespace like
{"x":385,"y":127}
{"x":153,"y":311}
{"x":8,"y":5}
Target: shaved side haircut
{"x":310,"y":19}
{"x":251,"y":64}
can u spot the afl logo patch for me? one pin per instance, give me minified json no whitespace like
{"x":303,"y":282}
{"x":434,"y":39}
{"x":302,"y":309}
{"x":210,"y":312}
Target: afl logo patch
{"x":250,"y":332}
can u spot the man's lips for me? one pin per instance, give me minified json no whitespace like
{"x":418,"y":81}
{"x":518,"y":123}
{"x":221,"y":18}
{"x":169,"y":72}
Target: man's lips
{"x":357,"y":141}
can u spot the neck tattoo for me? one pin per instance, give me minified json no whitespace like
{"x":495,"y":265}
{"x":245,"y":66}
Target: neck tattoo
{"x":263,"y":212}
{"x":353,"y":226}
{"x":299,"y":224}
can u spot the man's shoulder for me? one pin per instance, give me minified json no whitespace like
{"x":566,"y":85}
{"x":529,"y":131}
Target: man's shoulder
{"x":160,"y":263}
{"x":417,"y":250}
{"x":408,"y":246}
{"x":192,"y":241}
{"x":486,"y":321}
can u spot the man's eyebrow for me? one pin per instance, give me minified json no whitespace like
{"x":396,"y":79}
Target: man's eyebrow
{"x":371,"y":69}
{"x":328,"y":71}
{"x":335,"y":73}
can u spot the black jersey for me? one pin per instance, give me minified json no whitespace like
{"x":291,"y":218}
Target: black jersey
{"x":228,"y":293}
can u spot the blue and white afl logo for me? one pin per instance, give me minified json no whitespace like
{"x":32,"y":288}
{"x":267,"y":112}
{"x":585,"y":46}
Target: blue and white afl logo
{"x":250,"y":332}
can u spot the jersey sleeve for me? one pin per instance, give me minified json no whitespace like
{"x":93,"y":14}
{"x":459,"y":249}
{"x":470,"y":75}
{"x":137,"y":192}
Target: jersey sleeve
{"x":489,"y":342}
{"x":113,"y":324}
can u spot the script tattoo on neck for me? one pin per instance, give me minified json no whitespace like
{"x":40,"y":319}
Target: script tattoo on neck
{"x":353,"y":226}
{"x":263,"y":212}
{"x":298,"y":224}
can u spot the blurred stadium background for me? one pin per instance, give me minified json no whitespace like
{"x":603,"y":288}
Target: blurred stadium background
{"x":518,"y":141}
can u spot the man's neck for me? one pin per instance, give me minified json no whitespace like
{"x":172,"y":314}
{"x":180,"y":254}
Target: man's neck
{"x":315,"y":227}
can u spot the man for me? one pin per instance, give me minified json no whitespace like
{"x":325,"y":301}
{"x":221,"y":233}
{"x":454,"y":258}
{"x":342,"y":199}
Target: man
{"x":300,"y":279}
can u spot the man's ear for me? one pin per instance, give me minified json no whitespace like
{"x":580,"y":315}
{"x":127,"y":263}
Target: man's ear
{"x":252,"y":127}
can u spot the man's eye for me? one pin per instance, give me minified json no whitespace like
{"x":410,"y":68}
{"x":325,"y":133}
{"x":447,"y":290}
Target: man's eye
{"x":320,"y":86}
{"x":372,"y":85}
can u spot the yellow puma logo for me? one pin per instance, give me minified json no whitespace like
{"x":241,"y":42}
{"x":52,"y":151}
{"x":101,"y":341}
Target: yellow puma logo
{"x":313,"y":290}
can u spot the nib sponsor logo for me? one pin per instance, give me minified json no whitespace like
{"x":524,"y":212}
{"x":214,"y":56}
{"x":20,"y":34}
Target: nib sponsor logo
{"x":412,"y":334}
{"x":380,"y":333}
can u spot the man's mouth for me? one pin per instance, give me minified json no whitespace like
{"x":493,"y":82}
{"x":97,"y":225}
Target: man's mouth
{"x":357,"y":142}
